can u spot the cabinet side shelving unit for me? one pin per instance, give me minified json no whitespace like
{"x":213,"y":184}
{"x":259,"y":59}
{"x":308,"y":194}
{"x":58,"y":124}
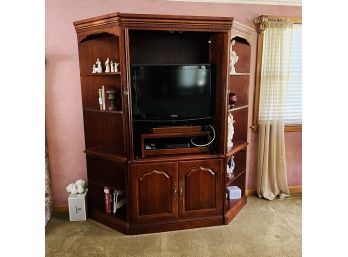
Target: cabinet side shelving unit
{"x":104,"y":129}
{"x":238,"y":83}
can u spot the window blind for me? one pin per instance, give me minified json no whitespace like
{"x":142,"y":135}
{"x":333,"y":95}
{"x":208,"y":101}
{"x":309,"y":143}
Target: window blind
{"x":270,"y":105}
{"x":293,"y":108}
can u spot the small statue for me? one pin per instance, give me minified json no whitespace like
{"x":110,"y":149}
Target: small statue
{"x":107,"y":65}
{"x":99,"y":66}
{"x":233,"y":59}
{"x":116,"y":66}
{"x":230,"y":132}
{"x":112,"y":66}
{"x":230,"y":167}
{"x":111,"y":97}
{"x":232,"y":99}
{"x":94,"y":69}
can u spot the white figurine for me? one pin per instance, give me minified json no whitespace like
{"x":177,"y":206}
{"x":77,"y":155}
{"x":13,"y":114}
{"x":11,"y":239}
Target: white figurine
{"x":112,"y":66}
{"x":94,"y":69}
{"x":230,"y":132}
{"x":230,"y":167}
{"x":76,"y":188}
{"x":116,"y":66}
{"x":233,"y":59}
{"x":107,"y":65}
{"x":99,"y":66}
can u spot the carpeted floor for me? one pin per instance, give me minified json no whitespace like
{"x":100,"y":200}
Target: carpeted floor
{"x":262,"y":228}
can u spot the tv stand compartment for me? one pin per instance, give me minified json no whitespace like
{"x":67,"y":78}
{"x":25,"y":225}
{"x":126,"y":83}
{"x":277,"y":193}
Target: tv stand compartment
{"x":173,"y":142}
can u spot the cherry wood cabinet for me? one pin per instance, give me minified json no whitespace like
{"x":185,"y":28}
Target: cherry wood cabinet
{"x":176,"y":190}
{"x":154,"y":191}
{"x":200,"y":190}
{"x":164,"y":191}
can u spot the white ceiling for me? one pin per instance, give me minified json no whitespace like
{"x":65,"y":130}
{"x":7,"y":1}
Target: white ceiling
{"x":261,"y":2}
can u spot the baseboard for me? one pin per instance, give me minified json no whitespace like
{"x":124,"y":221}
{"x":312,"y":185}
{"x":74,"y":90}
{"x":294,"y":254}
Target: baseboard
{"x":294,"y":191}
{"x":60,"y":209}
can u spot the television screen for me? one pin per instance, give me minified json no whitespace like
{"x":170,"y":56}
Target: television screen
{"x":167,"y":92}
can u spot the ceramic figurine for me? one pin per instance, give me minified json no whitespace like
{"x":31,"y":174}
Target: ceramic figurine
{"x":116,"y":66}
{"x":107,"y":65}
{"x":233,"y":59}
{"x":112,"y":66}
{"x":99,"y":66}
{"x":94,"y":69}
{"x":230,"y":132}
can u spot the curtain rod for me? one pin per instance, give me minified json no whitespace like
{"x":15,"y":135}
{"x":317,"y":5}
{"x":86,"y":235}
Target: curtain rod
{"x":259,"y":21}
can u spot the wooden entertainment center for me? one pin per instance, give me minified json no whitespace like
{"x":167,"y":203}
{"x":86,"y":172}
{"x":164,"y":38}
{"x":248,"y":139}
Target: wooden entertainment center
{"x":170,"y":188}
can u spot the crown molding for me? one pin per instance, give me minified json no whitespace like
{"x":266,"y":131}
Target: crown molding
{"x":259,"y":2}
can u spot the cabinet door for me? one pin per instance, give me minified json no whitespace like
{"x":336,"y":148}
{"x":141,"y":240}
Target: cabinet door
{"x":200,"y":184}
{"x":154,"y":192}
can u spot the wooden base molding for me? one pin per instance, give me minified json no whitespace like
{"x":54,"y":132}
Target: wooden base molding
{"x":60,"y":209}
{"x":294,"y":190}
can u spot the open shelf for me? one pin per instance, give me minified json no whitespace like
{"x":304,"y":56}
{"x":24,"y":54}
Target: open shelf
{"x":235,"y":175}
{"x":237,"y":146}
{"x":101,"y":74}
{"x":232,"y":207}
{"x":107,"y":153}
{"x":118,"y":222}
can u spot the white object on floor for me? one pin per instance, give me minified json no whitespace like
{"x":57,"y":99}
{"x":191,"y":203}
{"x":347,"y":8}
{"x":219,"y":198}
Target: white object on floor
{"x":77,"y":206}
{"x":234,"y":192}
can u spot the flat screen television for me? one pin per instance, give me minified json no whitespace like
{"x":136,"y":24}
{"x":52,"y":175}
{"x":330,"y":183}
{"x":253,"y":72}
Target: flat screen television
{"x":171,"y":92}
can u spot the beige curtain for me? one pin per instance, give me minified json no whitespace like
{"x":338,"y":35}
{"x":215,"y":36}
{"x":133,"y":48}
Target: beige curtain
{"x":271,"y":174}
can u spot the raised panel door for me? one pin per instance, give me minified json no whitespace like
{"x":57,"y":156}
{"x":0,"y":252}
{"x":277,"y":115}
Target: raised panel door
{"x":200,"y":184}
{"x":154,"y":192}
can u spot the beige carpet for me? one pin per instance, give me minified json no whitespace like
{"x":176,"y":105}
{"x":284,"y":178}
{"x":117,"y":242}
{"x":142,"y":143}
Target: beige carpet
{"x":262,"y":228}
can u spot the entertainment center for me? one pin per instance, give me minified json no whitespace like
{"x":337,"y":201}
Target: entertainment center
{"x":159,"y":131}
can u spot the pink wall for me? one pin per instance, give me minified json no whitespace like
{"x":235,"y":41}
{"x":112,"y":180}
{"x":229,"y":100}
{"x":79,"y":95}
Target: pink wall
{"x":64,"y":122}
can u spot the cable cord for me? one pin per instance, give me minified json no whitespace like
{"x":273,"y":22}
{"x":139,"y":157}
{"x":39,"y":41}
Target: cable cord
{"x":211,"y":141}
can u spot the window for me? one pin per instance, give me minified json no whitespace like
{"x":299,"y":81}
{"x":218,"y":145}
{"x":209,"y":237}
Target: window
{"x":293,"y":109}
{"x":293,"y":93}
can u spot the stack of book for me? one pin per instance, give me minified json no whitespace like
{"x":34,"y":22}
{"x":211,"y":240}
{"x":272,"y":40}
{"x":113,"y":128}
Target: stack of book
{"x":114,"y":200}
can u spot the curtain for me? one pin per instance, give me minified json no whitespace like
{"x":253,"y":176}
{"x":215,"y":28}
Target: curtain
{"x":271,"y":173}
{"x":48,"y":204}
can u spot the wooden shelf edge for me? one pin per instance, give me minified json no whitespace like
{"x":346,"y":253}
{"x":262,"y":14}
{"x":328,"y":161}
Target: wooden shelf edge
{"x":237,"y":146}
{"x":234,"y":209}
{"x":181,"y":157}
{"x":240,"y":74}
{"x":163,"y":152}
{"x":101,"y":111}
{"x":167,"y":135}
{"x":238,"y":108}
{"x":231,"y":180}
{"x":100,"y":74}
{"x":104,"y":155}
{"x":109,"y":220}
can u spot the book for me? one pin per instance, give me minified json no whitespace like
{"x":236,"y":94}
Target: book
{"x":107,"y":199}
{"x":100,"y":99}
{"x":103,"y":97}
